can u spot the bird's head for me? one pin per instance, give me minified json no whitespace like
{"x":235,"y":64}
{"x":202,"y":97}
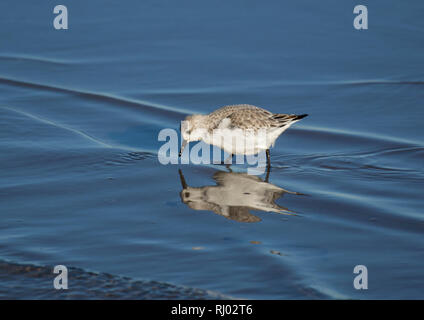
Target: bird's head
{"x":193,"y":128}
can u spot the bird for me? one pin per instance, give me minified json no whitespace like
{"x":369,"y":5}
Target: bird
{"x":235,"y":195}
{"x":256,"y":129}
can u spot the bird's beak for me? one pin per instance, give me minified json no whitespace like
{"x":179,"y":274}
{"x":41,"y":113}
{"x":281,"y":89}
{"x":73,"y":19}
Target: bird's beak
{"x":182,"y":147}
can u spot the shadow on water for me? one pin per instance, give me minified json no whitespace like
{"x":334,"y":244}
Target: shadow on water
{"x":88,"y":285}
{"x":234,"y":195}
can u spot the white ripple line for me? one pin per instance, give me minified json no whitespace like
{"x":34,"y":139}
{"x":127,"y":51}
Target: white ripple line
{"x":55,"y":124}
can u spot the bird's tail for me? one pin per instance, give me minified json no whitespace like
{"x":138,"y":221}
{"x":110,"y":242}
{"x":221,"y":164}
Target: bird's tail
{"x":285,"y":119}
{"x":299,"y":116}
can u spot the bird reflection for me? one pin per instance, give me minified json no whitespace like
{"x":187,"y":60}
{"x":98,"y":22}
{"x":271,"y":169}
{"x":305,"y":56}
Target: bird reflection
{"x":234,"y":195}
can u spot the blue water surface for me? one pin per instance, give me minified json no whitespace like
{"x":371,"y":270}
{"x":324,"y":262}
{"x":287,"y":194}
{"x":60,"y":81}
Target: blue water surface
{"x":80,"y":113}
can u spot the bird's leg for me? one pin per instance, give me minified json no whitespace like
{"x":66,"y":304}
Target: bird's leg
{"x":268,"y":165}
{"x":183,"y":182}
{"x":229,"y":160}
{"x":228,"y":166}
{"x":268,"y":158}
{"x":182,"y":148}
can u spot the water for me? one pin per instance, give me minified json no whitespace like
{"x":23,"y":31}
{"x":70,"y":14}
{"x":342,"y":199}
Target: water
{"x":80,"y":181}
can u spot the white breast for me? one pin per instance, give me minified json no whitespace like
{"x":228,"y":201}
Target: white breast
{"x":247,"y":142}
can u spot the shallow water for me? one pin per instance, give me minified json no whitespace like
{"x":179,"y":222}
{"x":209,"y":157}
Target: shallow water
{"x":80,"y":181}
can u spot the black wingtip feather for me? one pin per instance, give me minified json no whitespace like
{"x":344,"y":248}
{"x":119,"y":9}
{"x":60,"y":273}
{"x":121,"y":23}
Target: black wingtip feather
{"x":300,"y":116}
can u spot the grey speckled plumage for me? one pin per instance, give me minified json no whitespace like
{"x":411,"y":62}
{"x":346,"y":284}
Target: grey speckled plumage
{"x":246,"y":116}
{"x":247,"y":122}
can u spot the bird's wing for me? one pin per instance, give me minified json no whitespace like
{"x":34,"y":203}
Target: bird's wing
{"x":241,"y":214}
{"x":250,"y":117}
{"x":257,"y":120}
{"x":246,"y":120}
{"x":281,"y":120}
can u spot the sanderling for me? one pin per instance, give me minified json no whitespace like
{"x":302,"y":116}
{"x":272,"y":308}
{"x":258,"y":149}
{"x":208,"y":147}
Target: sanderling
{"x":235,"y":195}
{"x":244,"y":122}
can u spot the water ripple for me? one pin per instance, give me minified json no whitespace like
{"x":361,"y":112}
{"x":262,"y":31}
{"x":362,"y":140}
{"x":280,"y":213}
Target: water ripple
{"x":105,"y":97}
{"x":24,"y":281}
{"x":36,"y":59}
{"x":73,"y":130}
